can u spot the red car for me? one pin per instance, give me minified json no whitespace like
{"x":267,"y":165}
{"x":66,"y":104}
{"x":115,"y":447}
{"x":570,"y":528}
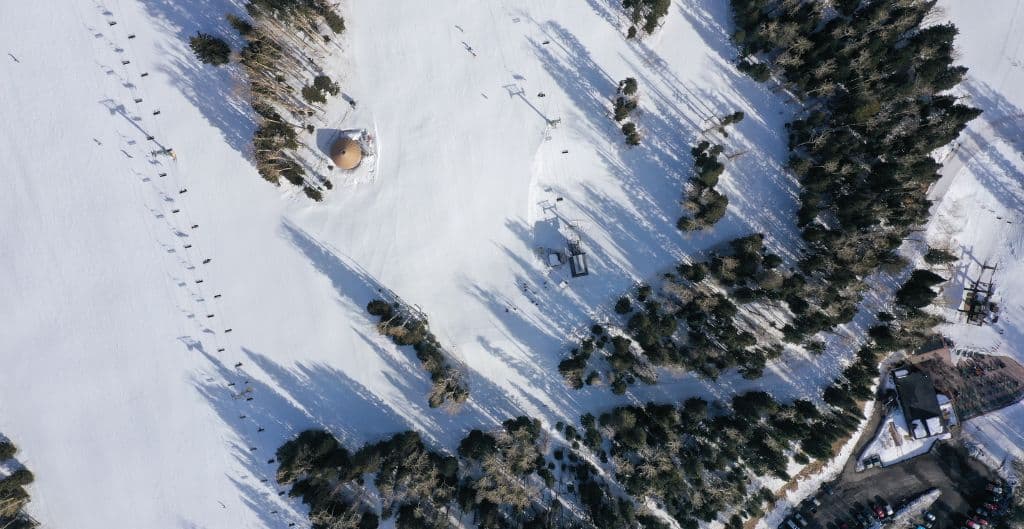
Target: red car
{"x":979,"y":520}
{"x":991,"y":506}
{"x":879,"y":511}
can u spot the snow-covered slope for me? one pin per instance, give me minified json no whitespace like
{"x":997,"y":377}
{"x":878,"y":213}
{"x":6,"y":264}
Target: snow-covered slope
{"x":111,"y":374}
{"x":981,"y":213}
{"x":113,"y":377}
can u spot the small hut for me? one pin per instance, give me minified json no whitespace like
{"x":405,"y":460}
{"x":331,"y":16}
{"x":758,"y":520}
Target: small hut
{"x":346,"y":153}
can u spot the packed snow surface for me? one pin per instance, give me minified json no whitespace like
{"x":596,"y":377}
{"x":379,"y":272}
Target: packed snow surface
{"x":112,"y":378}
{"x":980,"y":215}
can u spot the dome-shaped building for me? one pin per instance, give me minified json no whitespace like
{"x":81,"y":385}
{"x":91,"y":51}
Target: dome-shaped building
{"x":346,"y":153}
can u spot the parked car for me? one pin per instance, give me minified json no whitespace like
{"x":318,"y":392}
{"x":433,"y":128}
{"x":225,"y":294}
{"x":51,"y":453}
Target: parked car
{"x":929,"y":516}
{"x":888,"y":509}
{"x":991,"y":506}
{"x":800,"y":519}
{"x":972,"y":525}
{"x":980,"y":521}
{"x":879,"y":511}
{"x":791,"y":525}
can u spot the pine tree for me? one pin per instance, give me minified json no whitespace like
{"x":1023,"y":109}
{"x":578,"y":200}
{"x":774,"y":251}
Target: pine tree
{"x":210,"y":49}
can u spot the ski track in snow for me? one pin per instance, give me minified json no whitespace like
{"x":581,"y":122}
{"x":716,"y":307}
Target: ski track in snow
{"x":114,"y":384}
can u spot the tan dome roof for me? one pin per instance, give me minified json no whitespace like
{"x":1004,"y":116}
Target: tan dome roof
{"x":346,"y":153}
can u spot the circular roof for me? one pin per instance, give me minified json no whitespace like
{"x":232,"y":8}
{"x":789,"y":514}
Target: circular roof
{"x":346,"y":153}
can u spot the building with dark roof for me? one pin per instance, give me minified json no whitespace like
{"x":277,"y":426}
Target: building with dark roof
{"x":919,"y":402}
{"x":577,"y":260}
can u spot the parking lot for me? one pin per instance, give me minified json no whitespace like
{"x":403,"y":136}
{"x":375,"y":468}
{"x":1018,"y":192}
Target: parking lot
{"x":960,"y":479}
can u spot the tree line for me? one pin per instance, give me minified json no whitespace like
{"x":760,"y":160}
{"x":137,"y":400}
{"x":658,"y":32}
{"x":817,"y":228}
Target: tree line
{"x":872,"y":77}
{"x":499,"y":479}
{"x":448,"y":383}
{"x":695,"y":461}
{"x":691,"y":320}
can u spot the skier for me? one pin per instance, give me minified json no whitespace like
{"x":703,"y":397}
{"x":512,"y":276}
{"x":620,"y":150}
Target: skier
{"x":207,"y":261}
{"x":183,"y":191}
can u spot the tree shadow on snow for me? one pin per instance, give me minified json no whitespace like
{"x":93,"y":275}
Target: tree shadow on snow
{"x":1003,"y":177}
{"x":487,"y":405}
{"x":218,"y":92}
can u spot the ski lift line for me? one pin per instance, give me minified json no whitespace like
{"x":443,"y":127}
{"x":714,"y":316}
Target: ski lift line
{"x":249,"y":399}
{"x":135,"y":97}
{"x":165,"y":285}
{"x":171,"y":223}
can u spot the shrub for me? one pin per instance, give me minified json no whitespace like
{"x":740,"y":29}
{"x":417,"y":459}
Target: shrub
{"x":628,"y":86}
{"x":334,"y":21}
{"x":243,"y":27}
{"x":917,"y":291}
{"x":210,"y":49}
{"x":936,"y":256}
{"x":16,"y":479}
{"x":7,"y":450}
{"x":380,"y":308}
{"x":313,"y":193}
{"x":312,"y":95}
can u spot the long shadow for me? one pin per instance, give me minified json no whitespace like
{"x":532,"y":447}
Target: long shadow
{"x":1002,"y":177}
{"x":266,"y":404}
{"x":487,"y":404}
{"x":653,"y":176}
{"x":214,"y":91}
{"x":350,"y":281}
